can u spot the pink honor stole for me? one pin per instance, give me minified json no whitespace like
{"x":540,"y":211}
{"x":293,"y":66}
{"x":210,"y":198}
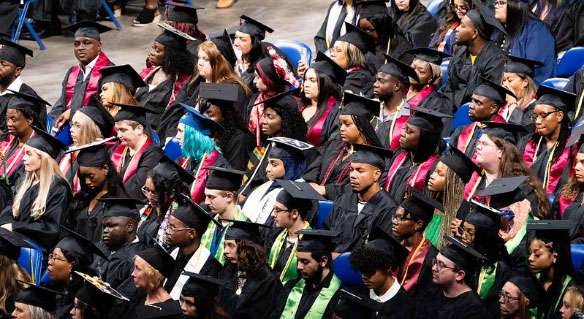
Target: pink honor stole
{"x":91,"y":89}
{"x":395,"y":131}
{"x":119,"y":154}
{"x":471,"y":186}
{"x":316,"y":130}
{"x":65,"y":167}
{"x":465,"y":137}
{"x":410,"y":271}
{"x":564,"y":203}
{"x":13,"y":161}
{"x":553,"y":170}
{"x":198,"y":187}
{"x":418,"y":177}
{"x":421,"y":95}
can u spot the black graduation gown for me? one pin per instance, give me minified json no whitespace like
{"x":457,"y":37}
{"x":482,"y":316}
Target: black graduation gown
{"x":320,"y":40}
{"x":397,"y":188}
{"x":309,"y":296}
{"x":401,"y":306}
{"x":491,"y":301}
{"x":360,"y":82}
{"x":211,"y":267}
{"x":19,"y":170}
{"x":436,"y":101}
{"x":257,"y":298}
{"x":5,"y":99}
{"x":238,"y":148}
{"x":120,"y":264}
{"x":356,"y":226}
{"x":419,"y":27}
{"x":149,"y":227}
{"x":155,"y":99}
{"x":432,"y":304}
{"x":64,"y":304}
{"x":520,"y":117}
{"x":576,"y":86}
{"x":464,"y":77}
{"x":575,"y":214}
{"x":568,"y":30}
{"x":317,"y":169}
{"x":89,"y":223}
{"x":424,"y":281}
{"x":470,"y":149}
{"x":43,"y":231}
{"x":169,"y":309}
{"x":150,"y":158}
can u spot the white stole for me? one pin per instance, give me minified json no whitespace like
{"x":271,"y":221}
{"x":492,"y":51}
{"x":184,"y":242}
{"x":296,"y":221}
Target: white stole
{"x":196,"y":262}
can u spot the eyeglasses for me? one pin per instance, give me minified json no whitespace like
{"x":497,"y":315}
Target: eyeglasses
{"x":542,"y":115}
{"x":440,"y":265}
{"x":464,"y":233}
{"x":146,"y":191}
{"x":500,"y":3}
{"x":461,"y":9}
{"x":506,"y":297}
{"x":173,"y":229}
{"x":399,"y":219}
{"x":54,"y":258}
{"x":278,"y":211}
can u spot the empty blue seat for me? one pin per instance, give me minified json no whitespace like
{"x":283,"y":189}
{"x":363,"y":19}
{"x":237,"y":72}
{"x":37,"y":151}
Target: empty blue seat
{"x":444,"y":67}
{"x":571,"y":62}
{"x":173,"y":149}
{"x":64,"y":135}
{"x":556,"y":83}
{"x":461,"y":117}
{"x":577,"y":256}
{"x":31,"y":259}
{"x":325,"y":207}
{"x":433,"y":6}
{"x":293,"y":48}
{"x":343,"y":270}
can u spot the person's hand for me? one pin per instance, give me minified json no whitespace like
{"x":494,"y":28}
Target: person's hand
{"x":7,"y":227}
{"x":302,"y":67}
{"x":454,"y":225}
{"x":62,"y":119}
{"x":318,"y":188}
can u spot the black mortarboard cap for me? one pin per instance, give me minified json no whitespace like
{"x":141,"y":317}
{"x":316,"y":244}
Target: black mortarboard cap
{"x":220,"y":94}
{"x":98,"y":294}
{"x":316,"y":240}
{"x":398,"y":69}
{"x":462,"y":254}
{"x":284,"y":99}
{"x":485,"y":21}
{"x":324,"y":64}
{"x":14,"y":53}
{"x":172,"y":37}
{"x":224,"y":179}
{"x":92,"y":155}
{"x":159,"y":259}
{"x":88,"y":29}
{"x":254,"y":28}
{"x":297,"y":195}
{"x":429,"y":55}
{"x":123,"y":74}
{"x":244,"y":230}
{"x":23,"y":101}
{"x":134,"y":113}
{"x":575,"y":136}
{"x":193,"y":216}
{"x":224,"y":45}
{"x":121,"y":207}
{"x":357,"y":105}
{"x":461,"y":164}
{"x":355,"y":305}
{"x":504,"y":191}
{"x":484,"y":216}
{"x":170,"y":170}
{"x":38,"y":296}
{"x":359,"y":38}
{"x":371,"y":155}
{"x":78,"y":245}
{"x":182,"y":12}
{"x":531,"y":287}
{"x":521,"y":65}
{"x":426,"y":119}
{"x":553,"y":230}
{"x":45,"y":142}
{"x":171,"y":310}
{"x":201,"y":286}
{"x":379,"y":239}
{"x":100,"y":116}
{"x":199,"y":121}
{"x":420,"y":205}
{"x":11,"y":243}
{"x":369,"y":8}
{"x":288,"y":148}
{"x":509,"y":132}
{"x":493,"y":91}
{"x":562,"y":100}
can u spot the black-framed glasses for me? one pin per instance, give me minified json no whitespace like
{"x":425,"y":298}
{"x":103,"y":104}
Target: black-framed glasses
{"x":400,"y":219}
{"x":277,"y":211}
{"x":461,"y":9}
{"x":506,"y":297}
{"x":440,"y":265}
{"x":542,"y":115}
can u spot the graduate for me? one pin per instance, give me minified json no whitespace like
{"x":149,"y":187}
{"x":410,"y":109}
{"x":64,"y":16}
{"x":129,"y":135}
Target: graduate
{"x":375,"y":260}
{"x":355,"y":214}
{"x":333,"y":25}
{"x":95,"y":301}
{"x":315,"y":292}
{"x":118,"y":84}
{"x":420,"y":147}
{"x":391,"y":81}
{"x":518,"y":77}
{"x":452,"y":297}
{"x":11,"y":245}
{"x":251,"y":288}
{"x":186,"y":226}
{"x":35,"y":300}
{"x":422,"y":91}
{"x":476,"y":56}
{"x":290,"y":213}
{"x":545,"y":151}
{"x":81,"y":81}
{"x":13,"y":57}
{"x":520,"y":294}
{"x":136,"y":153}
{"x":221,"y":197}
{"x":486,"y":102}
{"x":353,"y":304}
{"x":415,"y":21}
{"x":197,"y":298}
{"x":576,"y":86}
{"x":408,"y":224}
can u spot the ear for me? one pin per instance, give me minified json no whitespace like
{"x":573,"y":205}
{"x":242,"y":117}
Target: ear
{"x":560,"y":116}
{"x":554,"y":257}
{"x":499,"y":153}
{"x":139,"y":129}
{"x":295,"y":214}
{"x":17,"y":71}
{"x":131,"y":226}
{"x":475,"y":33}
{"x":105,"y":168}
{"x":418,"y":224}
{"x":377,"y":174}
{"x":460,"y":275}
{"x":323,"y":261}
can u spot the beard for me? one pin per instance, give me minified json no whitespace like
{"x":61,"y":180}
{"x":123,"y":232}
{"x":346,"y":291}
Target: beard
{"x":316,"y":277}
{"x":6,"y":80}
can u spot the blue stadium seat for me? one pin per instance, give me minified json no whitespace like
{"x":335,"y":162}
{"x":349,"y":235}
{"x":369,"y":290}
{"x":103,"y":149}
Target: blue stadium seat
{"x":577,"y":256}
{"x":292,"y":50}
{"x":324,"y":209}
{"x":444,"y":67}
{"x":156,"y":138}
{"x":173,"y":149}
{"x":64,"y":135}
{"x":31,"y":259}
{"x":49,"y":123}
{"x":22,"y":19}
{"x":461,"y":117}
{"x":344,"y":272}
{"x":433,"y":6}
{"x":556,"y":83}
{"x":571,"y":62}
{"x":45,"y":279}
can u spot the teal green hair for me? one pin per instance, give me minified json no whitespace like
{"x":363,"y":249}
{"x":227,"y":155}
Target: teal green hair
{"x":197,"y":144}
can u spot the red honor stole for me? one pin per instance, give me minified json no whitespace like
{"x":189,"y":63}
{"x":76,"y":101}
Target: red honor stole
{"x":466,"y":135}
{"x":472,"y":185}
{"x":395,"y":129}
{"x":409,"y":273}
{"x":198,"y":187}
{"x":91,"y":89}
{"x":13,"y":161}
{"x":119,"y":154}
{"x":65,"y":167}
{"x":421,"y":95}
{"x":316,"y":130}
{"x":418,"y":178}
{"x":553,"y":170}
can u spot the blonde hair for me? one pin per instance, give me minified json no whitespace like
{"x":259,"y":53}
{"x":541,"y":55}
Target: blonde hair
{"x":436,"y":73}
{"x":154,"y":279}
{"x":88,"y":131}
{"x":530,"y":90}
{"x":121,"y":94}
{"x":453,"y":197}
{"x":576,"y":297}
{"x":10,"y":272}
{"x":355,"y":57}
{"x":48,"y":171}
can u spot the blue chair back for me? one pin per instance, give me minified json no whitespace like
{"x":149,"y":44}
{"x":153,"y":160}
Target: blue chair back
{"x":325,"y":207}
{"x":64,"y":135}
{"x":444,"y":67}
{"x":461,"y":117}
{"x":556,"y":83}
{"x":45,"y":279}
{"x":433,"y":6}
{"x":577,"y":256}
{"x":31,"y":259}
{"x":155,"y":138}
{"x":343,"y":270}
{"x":571,"y":62}
{"x":173,"y":149}
{"x":293,"y":48}
{"x":49,"y":124}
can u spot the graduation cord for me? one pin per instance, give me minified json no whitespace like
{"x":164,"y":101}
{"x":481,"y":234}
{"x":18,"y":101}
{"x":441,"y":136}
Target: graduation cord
{"x":548,"y":165}
{"x":276,"y":252}
{"x":331,"y":166}
{"x":469,"y":138}
{"x":256,"y":169}
{"x":121,"y":163}
{"x":579,"y":105}
{"x":390,"y":133}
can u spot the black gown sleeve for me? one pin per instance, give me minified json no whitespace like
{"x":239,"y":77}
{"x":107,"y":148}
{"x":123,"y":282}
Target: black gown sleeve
{"x":320,"y":37}
{"x":238,"y":148}
{"x":418,"y":32}
{"x":149,"y":159}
